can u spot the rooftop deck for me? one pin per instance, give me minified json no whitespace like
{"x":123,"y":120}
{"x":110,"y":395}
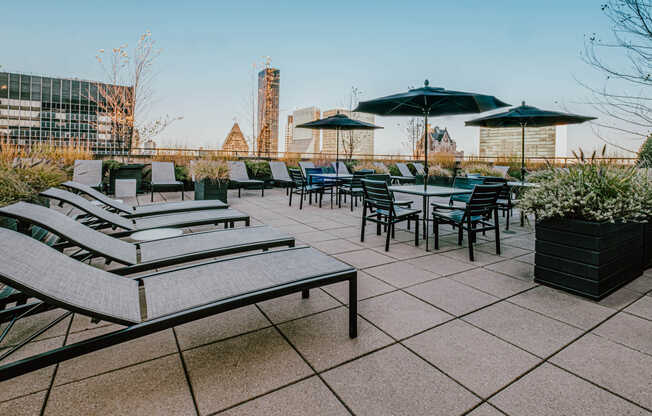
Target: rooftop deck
{"x":438,"y":335}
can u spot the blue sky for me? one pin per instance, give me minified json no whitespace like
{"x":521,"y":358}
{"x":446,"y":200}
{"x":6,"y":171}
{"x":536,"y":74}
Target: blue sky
{"x":515,"y":50}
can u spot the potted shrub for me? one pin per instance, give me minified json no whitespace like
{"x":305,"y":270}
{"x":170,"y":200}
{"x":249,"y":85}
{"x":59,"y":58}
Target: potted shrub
{"x":590,"y":222}
{"x":211,"y":179}
{"x":440,"y":176}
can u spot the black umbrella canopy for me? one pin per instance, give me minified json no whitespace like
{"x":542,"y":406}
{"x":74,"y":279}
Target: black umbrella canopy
{"x":338,"y":122}
{"x":528,"y":116}
{"x":430,"y":101}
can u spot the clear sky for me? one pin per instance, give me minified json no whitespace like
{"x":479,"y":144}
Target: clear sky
{"x":515,"y":50}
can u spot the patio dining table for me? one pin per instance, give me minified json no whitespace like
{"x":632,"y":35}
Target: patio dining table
{"x":429,"y":191}
{"x":334,"y":176}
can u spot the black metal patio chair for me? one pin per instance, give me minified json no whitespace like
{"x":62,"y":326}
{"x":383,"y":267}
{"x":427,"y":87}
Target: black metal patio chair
{"x":302,"y":187}
{"x":379,"y":207}
{"x":505,"y":201}
{"x":474,"y":217}
{"x":352,"y":188}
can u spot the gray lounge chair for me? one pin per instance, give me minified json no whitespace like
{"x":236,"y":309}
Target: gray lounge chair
{"x":304,"y":165}
{"x":341,"y":168}
{"x":88,"y":172}
{"x":281,"y":175}
{"x":381,"y":166}
{"x":100,"y":218}
{"x":419,"y":168}
{"x":406,"y":175}
{"x":145,"y":255}
{"x":239,"y":177}
{"x":171,"y":298}
{"x":163,"y":178}
{"x":131,"y":211}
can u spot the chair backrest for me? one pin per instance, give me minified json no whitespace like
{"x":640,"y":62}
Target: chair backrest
{"x":89,"y":208}
{"x":381,"y":166}
{"x":419,"y":168}
{"x":163,"y":172}
{"x":505,"y":192}
{"x":73,"y":231}
{"x":462,"y":182}
{"x":405,"y":171}
{"x":310,"y":179}
{"x":483,"y":199}
{"x":385,"y":177}
{"x":357,"y":177}
{"x":42,"y":272}
{"x":327,"y":169}
{"x":304,"y":165}
{"x":88,"y":172}
{"x":377,"y":195}
{"x":99,"y":196}
{"x":297,"y":177}
{"x":340,"y":167}
{"x":502,"y":169}
{"x":238,"y":171}
{"x":279,"y":171}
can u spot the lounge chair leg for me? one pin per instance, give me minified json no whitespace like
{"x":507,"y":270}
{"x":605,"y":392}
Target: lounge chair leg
{"x":152,"y":196}
{"x":262,"y":191}
{"x":239,"y":189}
{"x":290,"y":193}
{"x":321,"y":198}
{"x":182,"y":195}
{"x":305,"y":294}
{"x":353,"y":307}
{"x":408,"y":225}
{"x":416,"y":232}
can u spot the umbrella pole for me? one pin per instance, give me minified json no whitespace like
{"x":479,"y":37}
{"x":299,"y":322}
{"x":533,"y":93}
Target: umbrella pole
{"x":337,"y":166}
{"x":523,"y":152}
{"x":425,"y":154}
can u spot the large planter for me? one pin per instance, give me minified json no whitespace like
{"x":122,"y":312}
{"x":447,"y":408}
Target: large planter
{"x":435,"y":180}
{"x":131,"y":171}
{"x":207,"y":189}
{"x":588,"y":258}
{"x":647,"y":246}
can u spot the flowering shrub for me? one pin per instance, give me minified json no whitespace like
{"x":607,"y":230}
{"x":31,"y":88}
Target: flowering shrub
{"x":591,"y":191}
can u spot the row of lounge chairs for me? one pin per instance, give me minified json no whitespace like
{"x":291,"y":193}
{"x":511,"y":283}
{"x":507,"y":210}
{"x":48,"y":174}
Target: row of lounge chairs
{"x":42,"y":277}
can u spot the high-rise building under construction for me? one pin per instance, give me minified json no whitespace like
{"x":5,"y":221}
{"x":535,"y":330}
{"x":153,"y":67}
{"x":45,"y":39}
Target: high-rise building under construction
{"x":269,"y":80}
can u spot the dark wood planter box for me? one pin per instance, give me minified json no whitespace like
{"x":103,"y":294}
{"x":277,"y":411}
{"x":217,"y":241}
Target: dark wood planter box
{"x":132,"y":171}
{"x":205,"y":189}
{"x":647,"y":258}
{"x":588,"y":258}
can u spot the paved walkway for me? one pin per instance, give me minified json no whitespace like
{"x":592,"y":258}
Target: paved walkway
{"x":438,"y":335}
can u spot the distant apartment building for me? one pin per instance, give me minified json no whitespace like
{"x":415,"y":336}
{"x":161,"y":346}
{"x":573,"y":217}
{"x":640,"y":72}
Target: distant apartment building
{"x":235,"y":143}
{"x":36,"y":109}
{"x":540,"y":142}
{"x":439,"y":141}
{"x":363,"y":140}
{"x":288,"y":132}
{"x":303,"y":141}
{"x":269,"y":81}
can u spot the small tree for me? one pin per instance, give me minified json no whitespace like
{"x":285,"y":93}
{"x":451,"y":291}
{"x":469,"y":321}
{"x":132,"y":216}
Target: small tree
{"x":625,"y":95}
{"x":413,"y":131}
{"x":127,"y":95}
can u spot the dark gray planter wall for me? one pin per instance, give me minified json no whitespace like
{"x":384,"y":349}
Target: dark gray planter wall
{"x":211,"y":190}
{"x":587,"y":258}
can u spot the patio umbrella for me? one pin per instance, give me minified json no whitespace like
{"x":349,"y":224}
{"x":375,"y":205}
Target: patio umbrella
{"x":527,"y":116}
{"x":338,"y":122}
{"x":428,"y":101}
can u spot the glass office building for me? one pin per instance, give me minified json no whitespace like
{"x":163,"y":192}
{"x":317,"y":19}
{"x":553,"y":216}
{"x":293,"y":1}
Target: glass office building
{"x":36,"y":109}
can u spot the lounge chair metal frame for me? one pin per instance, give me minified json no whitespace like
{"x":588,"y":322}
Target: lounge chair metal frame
{"x":129,"y":211}
{"x":156,"y":324}
{"x":99,"y":218}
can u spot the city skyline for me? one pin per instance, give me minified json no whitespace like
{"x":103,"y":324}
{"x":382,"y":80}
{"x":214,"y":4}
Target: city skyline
{"x":530,"y":52}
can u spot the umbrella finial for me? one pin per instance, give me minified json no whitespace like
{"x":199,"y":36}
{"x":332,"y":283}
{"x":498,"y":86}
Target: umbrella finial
{"x":426,"y":83}
{"x":523,"y":103}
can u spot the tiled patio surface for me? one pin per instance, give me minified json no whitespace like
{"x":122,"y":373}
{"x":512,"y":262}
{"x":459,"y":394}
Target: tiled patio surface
{"x":438,"y":335}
